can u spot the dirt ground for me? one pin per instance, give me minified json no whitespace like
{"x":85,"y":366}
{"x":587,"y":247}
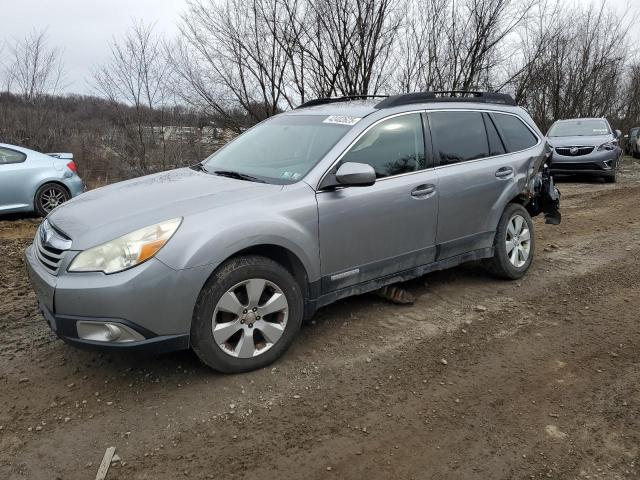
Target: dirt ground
{"x":479,"y":379}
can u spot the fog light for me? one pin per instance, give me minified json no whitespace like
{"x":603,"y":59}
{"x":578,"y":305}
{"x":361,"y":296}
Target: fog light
{"x":607,"y":164}
{"x":106,"y":332}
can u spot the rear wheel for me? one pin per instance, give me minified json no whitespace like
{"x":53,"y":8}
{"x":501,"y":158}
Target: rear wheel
{"x":49,"y":196}
{"x":514,"y":243}
{"x":247,"y":315}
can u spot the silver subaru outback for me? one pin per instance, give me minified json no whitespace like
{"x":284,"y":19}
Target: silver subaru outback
{"x":335,"y":198}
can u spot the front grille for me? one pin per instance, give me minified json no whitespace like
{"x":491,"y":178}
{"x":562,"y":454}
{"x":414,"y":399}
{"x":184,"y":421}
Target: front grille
{"x":49,"y":255}
{"x":576,"y":166}
{"x":577,"y":151}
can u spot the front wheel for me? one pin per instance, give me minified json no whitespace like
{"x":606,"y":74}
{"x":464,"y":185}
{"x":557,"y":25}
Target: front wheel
{"x":49,"y":196}
{"x":514,"y":243}
{"x":247,"y":315}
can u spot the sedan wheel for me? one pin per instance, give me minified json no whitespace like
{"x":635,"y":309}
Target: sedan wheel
{"x":50,"y":196}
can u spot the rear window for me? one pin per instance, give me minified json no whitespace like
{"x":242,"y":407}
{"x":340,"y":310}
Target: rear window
{"x":515,"y":133}
{"x":11,"y":156}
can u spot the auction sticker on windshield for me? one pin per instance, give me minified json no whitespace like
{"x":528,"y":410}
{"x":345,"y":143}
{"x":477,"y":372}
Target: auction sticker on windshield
{"x":342,"y":120}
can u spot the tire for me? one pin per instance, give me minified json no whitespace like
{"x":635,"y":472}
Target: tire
{"x":49,"y":196}
{"x":247,"y":347}
{"x":612,"y":178}
{"x":501,"y":264}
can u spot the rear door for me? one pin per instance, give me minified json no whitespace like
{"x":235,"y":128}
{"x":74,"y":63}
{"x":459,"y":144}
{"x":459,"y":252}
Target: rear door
{"x":376,"y":231}
{"x":475,"y":172}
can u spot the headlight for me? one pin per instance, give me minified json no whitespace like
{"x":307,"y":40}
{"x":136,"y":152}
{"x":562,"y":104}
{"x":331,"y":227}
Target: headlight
{"x":127,"y":251}
{"x":608,"y":146}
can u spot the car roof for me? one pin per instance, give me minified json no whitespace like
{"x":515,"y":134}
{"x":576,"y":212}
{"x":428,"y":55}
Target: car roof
{"x":362,"y":108}
{"x":353,"y":108}
{"x":15,"y":147}
{"x":580,"y":118}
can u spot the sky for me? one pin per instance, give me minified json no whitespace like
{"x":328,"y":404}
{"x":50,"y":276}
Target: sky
{"x":84,"y":28}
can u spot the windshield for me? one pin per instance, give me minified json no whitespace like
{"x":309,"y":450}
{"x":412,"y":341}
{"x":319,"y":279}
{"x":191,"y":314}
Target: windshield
{"x":279,"y":150}
{"x":579,"y":128}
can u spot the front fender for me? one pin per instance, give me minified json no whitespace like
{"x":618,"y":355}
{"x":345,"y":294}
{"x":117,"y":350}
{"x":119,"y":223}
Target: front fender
{"x":210,"y":238}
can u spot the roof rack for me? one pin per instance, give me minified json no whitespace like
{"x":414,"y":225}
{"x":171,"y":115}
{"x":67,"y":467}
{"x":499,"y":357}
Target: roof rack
{"x":347,"y":98}
{"x":446,"y":96}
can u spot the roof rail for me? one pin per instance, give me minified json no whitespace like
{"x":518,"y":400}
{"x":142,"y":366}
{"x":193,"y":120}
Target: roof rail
{"x":446,"y":96}
{"x":347,"y":98}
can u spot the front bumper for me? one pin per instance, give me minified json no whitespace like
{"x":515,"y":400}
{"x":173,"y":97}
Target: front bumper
{"x":595,"y":163}
{"x":65,"y":328}
{"x":151,"y":299}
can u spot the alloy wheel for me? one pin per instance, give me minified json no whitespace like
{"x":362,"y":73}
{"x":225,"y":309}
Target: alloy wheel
{"x":250,"y":318}
{"x":51,"y":198}
{"x":518,"y":241}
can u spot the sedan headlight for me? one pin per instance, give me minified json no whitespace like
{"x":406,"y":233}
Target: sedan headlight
{"x":127,"y":251}
{"x":608,"y":146}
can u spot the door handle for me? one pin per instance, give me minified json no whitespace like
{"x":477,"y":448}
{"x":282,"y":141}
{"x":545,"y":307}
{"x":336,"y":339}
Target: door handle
{"x":504,"y":172}
{"x":423,"y":190}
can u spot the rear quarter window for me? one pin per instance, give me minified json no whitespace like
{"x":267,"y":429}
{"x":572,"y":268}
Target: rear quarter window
{"x":515,"y":133}
{"x":8,"y":156}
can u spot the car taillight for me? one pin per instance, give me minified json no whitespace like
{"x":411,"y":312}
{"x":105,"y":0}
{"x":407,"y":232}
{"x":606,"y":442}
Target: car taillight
{"x":72,"y":166}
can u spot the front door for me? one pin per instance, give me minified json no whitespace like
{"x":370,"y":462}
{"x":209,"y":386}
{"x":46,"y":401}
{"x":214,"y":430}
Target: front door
{"x":371,"y":232}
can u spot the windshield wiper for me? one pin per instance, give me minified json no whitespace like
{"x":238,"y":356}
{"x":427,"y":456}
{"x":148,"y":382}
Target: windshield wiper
{"x":199,"y":167}
{"x":237,"y":175}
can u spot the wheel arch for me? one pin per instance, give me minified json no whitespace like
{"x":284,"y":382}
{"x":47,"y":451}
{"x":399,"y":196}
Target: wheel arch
{"x":285,"y":257}
{"x":51,"y":181}
{"x":42,"y":183}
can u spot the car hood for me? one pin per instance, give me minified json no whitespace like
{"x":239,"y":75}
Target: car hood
{"x":109,"y":212}
{"x":580,"y":140}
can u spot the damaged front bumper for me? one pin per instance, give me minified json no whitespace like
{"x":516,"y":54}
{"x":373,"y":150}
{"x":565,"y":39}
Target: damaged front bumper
{"x":545,"y":197}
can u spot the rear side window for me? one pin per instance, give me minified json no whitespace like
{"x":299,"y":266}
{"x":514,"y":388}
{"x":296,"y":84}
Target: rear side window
{"x":11,"y":156}
{"x":458,"y":136}
{"x":515,"y":134}
{"x":392,"y":147}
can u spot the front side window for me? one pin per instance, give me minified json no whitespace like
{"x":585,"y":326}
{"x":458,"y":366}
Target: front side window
{"x":579,"y":128}
{"x":11,"y":156}
{"x":458,"y":136}
{"x":391,"y":147}
{"x":280,"y":150}
{"x":516,"y":135}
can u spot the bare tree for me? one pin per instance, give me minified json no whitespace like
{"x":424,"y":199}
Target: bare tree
{"x":34,"y":71}
{"x":136,"y":75}
{"x":345,"y":46}
{"x":235,"y":55}
{"x":449,"y":45}
{"x":580,"y":67}
{"x":245,"y":60}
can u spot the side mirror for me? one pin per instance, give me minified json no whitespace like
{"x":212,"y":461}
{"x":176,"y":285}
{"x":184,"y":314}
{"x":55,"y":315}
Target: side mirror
{"x":351,"y":174}
{"x":618,"y":133}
